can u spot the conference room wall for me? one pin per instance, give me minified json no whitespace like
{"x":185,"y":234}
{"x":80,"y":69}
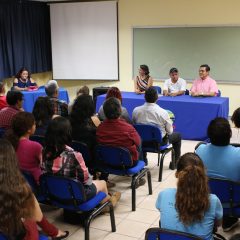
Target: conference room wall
{"x":160,"y":13}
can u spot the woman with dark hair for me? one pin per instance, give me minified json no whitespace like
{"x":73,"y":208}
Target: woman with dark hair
{"x":29,"y":153}
{"x":43,"y":113}
{"x":114,"y":92}
{"x":143,"y":81}
{"x":19,"y":209}
{"x":60,"y":159}
{"x":23,"y":80}
{"x":236,"y":129}
{"x":190,"y":208}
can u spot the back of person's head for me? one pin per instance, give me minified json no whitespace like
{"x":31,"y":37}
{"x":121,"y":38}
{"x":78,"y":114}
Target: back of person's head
{"x":57,"y":136}
{"x":83,"y":109}
{"x":83,"y":90}
{"x":145,"y":68}
{"x":151,"y":95}
{"x":236,"y":118}
{"x":173,"y":70}
{"x":114,"y":92}
{"x":43,"y":111}
{"x":13,"y":97}
{"x":192,"y":197}
{"x":206,"y":66}
{"x":219,"y":132}
{"x":2,"y":87}
{"x":235,"y":237}
{"x":16,"y":201}
{"x":112,"y":108}
{"x":51,"y":88}
{"x":19,"y":73}
{"x":21,"y":124}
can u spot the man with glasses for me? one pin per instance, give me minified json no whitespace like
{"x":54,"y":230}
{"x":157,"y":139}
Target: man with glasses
{"x":204,"y":86}
{"x":174,"y":86}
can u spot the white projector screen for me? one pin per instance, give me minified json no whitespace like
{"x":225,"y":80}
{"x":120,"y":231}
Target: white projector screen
{"x":84,"y":40}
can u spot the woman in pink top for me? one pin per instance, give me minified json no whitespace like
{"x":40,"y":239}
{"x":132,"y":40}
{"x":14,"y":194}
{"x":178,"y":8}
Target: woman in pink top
{"x":29,"y":153}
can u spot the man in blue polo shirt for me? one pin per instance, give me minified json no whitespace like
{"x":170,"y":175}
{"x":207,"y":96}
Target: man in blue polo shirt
{"x":221,"y":159}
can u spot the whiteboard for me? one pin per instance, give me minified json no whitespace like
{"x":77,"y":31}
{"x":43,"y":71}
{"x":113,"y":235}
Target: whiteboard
{"x":84,"y":40}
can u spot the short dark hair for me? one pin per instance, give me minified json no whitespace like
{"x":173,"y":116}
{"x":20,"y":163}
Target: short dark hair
{"x":13,"y":97}
{"x":236,"y":117}
{"x":145,"y":69}
{"x":173,"y":70}
{"x":151,"y":95}
{"x":18,"y":75}
{"x":112,"y":108}
{"x":206,"y":66}
{"x":219,"y":132}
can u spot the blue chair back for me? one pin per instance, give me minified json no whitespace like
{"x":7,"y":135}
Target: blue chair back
{"x":38,"y":138}
{"x":31,"y":181}
{"x":158,"y":89}
{"x":83,"y":149}
{"x":2,"y":132}
{"x":113,"y":156}
{"x":41,"y":237}
{"x":149,"y":132}
{"x":164,"y":234}
{"x":63,"y":192}
{"x":229,"y":194}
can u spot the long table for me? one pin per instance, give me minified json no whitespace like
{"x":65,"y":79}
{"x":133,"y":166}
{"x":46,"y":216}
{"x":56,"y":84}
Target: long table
{"x":192,"y":114}
{"x":30,"y":97}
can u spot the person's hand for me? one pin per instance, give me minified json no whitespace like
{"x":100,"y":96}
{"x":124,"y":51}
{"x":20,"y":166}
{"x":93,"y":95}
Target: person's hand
{"x":173,"y":94}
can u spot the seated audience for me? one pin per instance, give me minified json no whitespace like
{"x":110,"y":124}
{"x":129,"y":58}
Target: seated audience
{"x":151,"y":113}
{"x":235,"y":130}
{"x":15,"y":102}
{"x":23,"y":80}
{"x":29,"y":153}
{"x":204,"y":86}
{"x":190,"y":208}
{"x":59,"y":106}
{"x":3,"y":99}
{"x":114,"y":92}
{"x":84,"y":124}
{"x":143,"y":81}
{"x":174,"y":86}
{"x":220,"y":158}
{"x":82,"y":90}
{"x":43,"y":113}
{"x":20,"y":212}
{"x":59,"y":159}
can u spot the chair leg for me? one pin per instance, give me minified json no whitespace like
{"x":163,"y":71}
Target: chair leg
{"x":133,"y":185}
{"x":161,"y":167}
{"x":158,"y":158}
{"x":86,"y":227}
{"x":112,"y":218}
{"x":149,"y":182}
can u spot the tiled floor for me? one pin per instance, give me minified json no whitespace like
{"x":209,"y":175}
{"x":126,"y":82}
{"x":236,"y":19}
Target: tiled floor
{"x":130,"y":225}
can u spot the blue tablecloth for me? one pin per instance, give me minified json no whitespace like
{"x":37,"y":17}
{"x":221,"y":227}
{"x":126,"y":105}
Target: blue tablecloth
{"x":192,"y":115}
{"x":31,"y":96}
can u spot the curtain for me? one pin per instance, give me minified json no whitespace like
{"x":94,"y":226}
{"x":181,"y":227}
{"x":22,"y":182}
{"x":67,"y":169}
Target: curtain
{"x":25,"y":39}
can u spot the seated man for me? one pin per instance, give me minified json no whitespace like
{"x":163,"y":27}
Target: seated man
{"x":204,"y":86}
{"x":15,"y":102}
{"x":174,"y":86}
{"x":151,"y":113}
{"x":221,"y":159}
{"x":59,"y":106}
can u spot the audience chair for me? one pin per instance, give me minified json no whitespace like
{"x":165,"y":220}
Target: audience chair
{"x":69,"y":194}
{"x":2,"y":132}
{"x":152,"y":134}
{"x":118,"y":161}
{"x":229,"y":194}
{"x":38,"y":138}
{"x":35,"y":188}
{"x":158,"y":89}
{"x":41,"y":237}
{"x":164,"y":234}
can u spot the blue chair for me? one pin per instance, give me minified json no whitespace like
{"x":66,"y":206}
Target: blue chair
{"x":228,"y":193}
{"x":158,"y":89}
{"x":118,"y":161}
{"x":41,"y":237}
{"x":151,"y":133}
{"x":164,"y":234}
{"x":38,"y":138}
{"x":69,"y":194}
{"x":2,"y":132}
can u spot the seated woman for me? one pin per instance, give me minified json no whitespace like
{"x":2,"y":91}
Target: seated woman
{"x":29,"y":153}
{"x":114,"y":92}
{"x":235,"y":131}
{"x":3,"y":98}
{"x":190,"y":208}
{"x":143,"y":81}
{"x":60,"y":159}
{"x":43,"y":113}
{"x":23,"y":80}
{"x":19,"y":209}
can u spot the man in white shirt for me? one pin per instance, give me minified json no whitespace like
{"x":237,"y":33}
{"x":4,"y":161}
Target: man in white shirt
{"x":151,"y":113}
{"x":174,"y":86}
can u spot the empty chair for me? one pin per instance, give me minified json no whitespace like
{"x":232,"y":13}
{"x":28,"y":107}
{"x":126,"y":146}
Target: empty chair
{"x":158,"y":89}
